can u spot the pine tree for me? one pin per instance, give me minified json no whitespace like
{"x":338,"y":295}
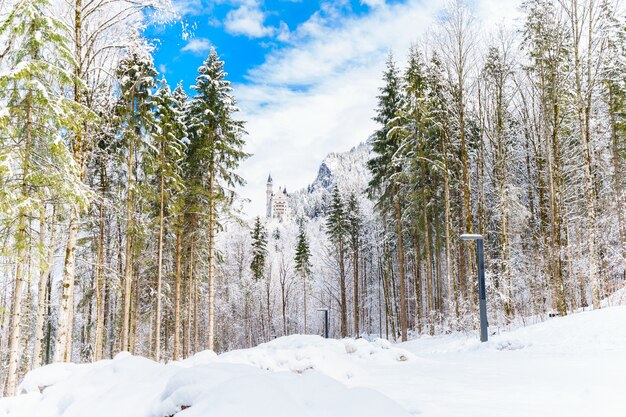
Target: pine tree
{"x":355,"y":230}
{"x":546,"y":42}
{"x":38,"y":58}
{"x":215,"y":151}
{"x":134,"y":110}
{"x":420,"y":138}
{"x":303,"y":264}
{"x":167,"y":158}
{"x":259,"y":249}
{"x":386,"y":167}
{"x":181,"y":207}
{"x":337,"y":230}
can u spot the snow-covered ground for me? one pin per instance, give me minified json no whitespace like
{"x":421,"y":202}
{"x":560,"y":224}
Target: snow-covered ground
{"x":570,"y":366}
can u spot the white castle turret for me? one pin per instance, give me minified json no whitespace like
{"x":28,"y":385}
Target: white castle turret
{"x":277,"y":204}
{"x":269,"y":193}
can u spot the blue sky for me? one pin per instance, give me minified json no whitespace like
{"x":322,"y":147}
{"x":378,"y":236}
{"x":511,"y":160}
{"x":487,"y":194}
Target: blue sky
{"x":305,"y":73}
{"x":243,"y":32}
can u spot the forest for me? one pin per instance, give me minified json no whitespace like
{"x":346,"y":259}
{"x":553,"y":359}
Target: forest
{"x":121,"y":228}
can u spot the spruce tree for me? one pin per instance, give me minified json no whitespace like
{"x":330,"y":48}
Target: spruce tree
{"x":38,"y":58}
{"x":259,"y":249}
{"x":215,"y":152}
{"x":168,"y":152}
{"x":136,"y":120}
{"x":303,"y":264}
{"x":337,"y":229}
{"x":355,"y":226}
{"x":386,"y":167}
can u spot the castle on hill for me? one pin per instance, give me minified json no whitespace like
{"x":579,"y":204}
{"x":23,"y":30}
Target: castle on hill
{"x":277,"y":204}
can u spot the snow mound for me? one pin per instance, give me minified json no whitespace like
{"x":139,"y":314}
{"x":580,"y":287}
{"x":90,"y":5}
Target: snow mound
{"x":291,"y":376}
{"x":339,"y":359}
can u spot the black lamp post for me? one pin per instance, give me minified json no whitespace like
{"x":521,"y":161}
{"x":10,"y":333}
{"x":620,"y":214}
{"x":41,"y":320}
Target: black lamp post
{"x":482,"y":296}
{"x":325,"y":310}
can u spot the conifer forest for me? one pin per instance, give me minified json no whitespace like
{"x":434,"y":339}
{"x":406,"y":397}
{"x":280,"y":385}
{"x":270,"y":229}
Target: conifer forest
{"x":122,"y":229}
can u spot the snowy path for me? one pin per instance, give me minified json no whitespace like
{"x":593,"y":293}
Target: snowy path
{"x":571,"y":366}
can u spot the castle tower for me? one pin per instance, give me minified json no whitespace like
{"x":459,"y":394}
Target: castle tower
{"x":269,"y":192}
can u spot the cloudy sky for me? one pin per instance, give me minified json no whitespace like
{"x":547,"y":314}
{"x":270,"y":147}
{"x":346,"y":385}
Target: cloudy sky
{"x":306,"y":73}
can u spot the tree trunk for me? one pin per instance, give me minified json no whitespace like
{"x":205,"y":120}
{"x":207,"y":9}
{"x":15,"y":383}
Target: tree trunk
{"x":98,"y":342}
{"x":342,"y":287}
{"x":179,"y":250}
{"x":355,"y":270}
{"x":403,"y":313}
{"x":44,"y":273}
{"x":20,"y":241}
{"x":157,"y":323}
{"x":211,"y":327}
{"x":618,"y":183}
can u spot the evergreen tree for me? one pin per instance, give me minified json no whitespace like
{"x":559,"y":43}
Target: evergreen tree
{"x":303,"y":264}
{"x":215,"y":151}
{"x":38,"y":58}
{"x":355,"y":230}
{"x":259,"y":249}
{"x":167,"y":156}
{"x":337,"y":229}
{"x":136,"y":121}
{"x":387,"y":164}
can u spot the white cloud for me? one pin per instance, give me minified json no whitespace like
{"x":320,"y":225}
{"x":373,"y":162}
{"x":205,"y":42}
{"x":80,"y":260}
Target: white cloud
{"x":198,"y":46}
{"x":373,"y":3}
{"x":317,"y":95}
{"x":248,"y":20}
{"x":162,"y":69}
{"x":189,"y":7}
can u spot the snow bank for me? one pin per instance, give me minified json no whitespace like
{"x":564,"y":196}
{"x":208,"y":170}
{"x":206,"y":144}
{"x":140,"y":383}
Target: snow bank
{"x":339,"y":359}
{"x":567,"y":366}
{"x":291,"y":376}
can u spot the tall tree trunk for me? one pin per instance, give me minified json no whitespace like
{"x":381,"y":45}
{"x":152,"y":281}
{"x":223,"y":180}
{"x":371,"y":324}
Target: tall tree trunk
{"x":618,"y":183}
{"x":63,"y":348}
{"x":190,"y":278}
{"x":558,"y":287}
{"x":583,"y":109}
{"x":450,"y":280}
{"x":98,"y":342}
{"x":179,"y":250}
{"x":403,"y":312}
{"x":44,"y":274}
{"x":128,"y":253}
{"x":212,"y":195}
{"x":355,"y":270}
{"x":342,"y":288}
{"x":304,"y":291}
{"x":429,"y":268}
{"x":157,"y":323}
{"x":20,"y":241}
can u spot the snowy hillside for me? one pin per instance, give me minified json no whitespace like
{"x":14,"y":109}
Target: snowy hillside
{"x":347,"y":170}
{"x":570,"y":366}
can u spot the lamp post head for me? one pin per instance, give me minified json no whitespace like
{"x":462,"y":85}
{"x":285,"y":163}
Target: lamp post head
{"x":467,"y":236}
{"x":322,"y":309}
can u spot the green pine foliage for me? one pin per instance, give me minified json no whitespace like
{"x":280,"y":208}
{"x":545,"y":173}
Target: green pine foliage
{"x":168,"y":150}
{"x":259,"y":249}
{"x":337,"y":220}
{"x":36,"y":117}
{"x":215,"y":135}
{"x":385,"y":141}
{"x":303,"y":253}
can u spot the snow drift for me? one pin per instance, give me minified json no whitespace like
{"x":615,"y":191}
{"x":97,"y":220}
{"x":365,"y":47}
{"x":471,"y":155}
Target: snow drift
{"x":566,"y":366}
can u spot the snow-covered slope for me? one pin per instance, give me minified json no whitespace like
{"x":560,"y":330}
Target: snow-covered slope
{"x":569,"y":366}
{"x":347,"y":170}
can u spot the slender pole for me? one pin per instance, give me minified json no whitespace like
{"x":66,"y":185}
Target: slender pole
{"x":325,"y":310}
{"x":326,"y":324}
{"x":481,"y":291}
